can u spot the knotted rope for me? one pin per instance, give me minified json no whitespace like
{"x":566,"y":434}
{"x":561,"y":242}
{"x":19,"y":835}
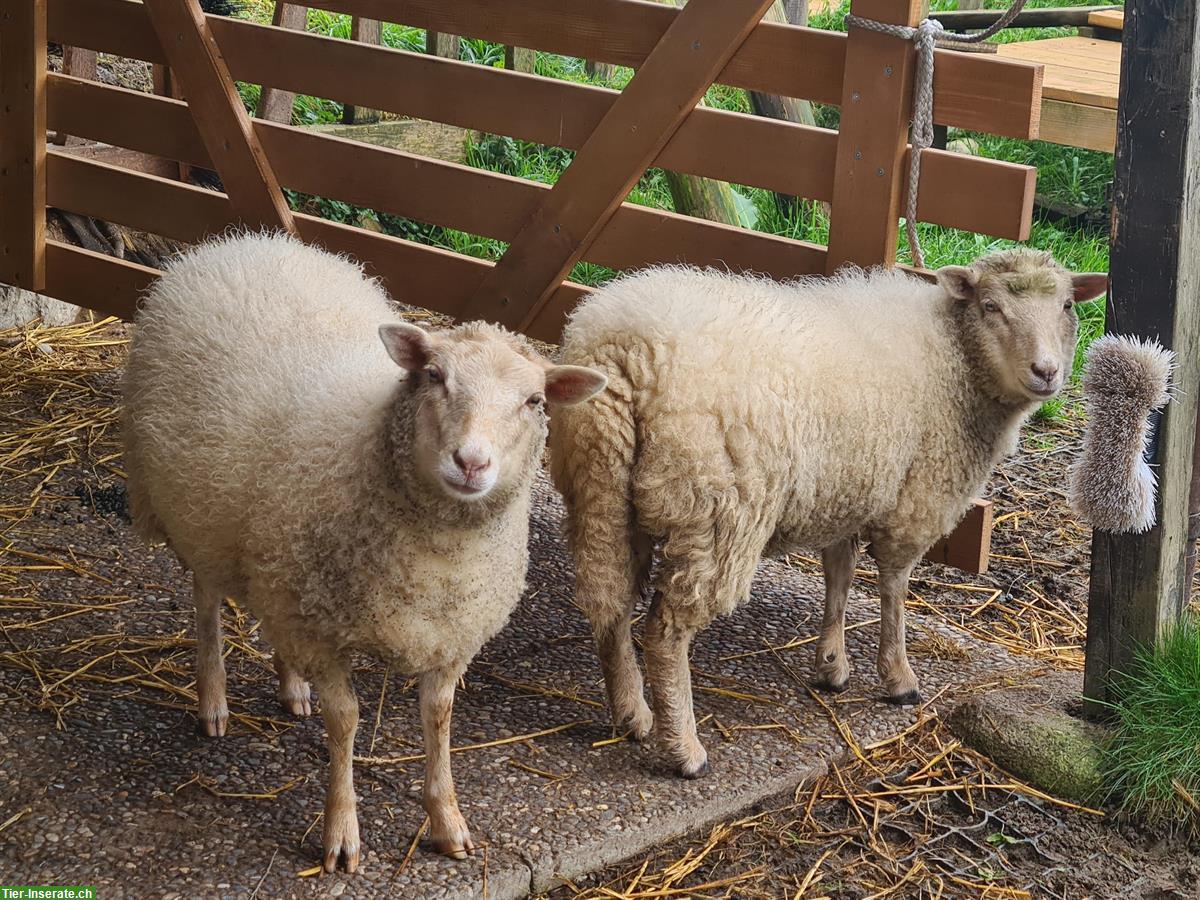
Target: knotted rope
{"x":925,"y":35}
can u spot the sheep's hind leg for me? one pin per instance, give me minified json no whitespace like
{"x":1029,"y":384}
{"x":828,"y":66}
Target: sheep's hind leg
{"x":210,"y":665}
{"x":295,"y":695}
{"x":447,"y":827}
{"x":899,"y":680}
{"x":833,"y":666}
{"x":614,"y":643}
{"x":667,"y":644}
{"x":339,"y":707}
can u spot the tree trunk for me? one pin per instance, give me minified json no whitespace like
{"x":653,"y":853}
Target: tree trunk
{"x":705,"y":198}
{"x":786,"y":109}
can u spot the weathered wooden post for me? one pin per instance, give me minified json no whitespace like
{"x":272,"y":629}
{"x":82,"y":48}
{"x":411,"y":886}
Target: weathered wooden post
{"x":275,"y":105}
{"x":23,"y":150}
{"x":1140,"y":583}
{"x":364,"y":31}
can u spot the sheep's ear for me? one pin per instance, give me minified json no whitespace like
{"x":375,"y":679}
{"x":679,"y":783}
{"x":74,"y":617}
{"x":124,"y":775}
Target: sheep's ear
{"x":958,"y":281}
{"x":1089,"y":285}
{"x":568,"y":385}
{"x":409,"y":347}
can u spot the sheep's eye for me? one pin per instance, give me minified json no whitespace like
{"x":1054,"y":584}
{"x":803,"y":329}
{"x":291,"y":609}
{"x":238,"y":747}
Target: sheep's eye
{"x":991,"y":306}
{"x":435,"y":376}
{"x":1068,"y":306}
{"x":535,"y":400}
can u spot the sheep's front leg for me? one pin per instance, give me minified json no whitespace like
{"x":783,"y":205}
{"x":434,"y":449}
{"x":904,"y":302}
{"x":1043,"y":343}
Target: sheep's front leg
{"x":667,"y":646}
{"x":339,"y":706}
{"x":833,"y":666}
{"x":448,"y":829}
{"x":897,"y":675}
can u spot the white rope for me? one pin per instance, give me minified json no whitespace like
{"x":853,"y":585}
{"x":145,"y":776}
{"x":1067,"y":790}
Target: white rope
{"x":925,"y":35}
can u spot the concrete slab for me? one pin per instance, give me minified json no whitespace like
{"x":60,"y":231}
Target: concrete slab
{"x":127,"y":797}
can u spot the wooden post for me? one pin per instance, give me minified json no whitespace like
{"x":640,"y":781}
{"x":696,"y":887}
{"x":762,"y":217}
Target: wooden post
{"x":668,"y":85}
{"x":518,"y":59}
{"x":364,"y":31}
{"x":274,"y":104}
{"x":876,"y":103}
{"x":219,"y":115}
{"x":23,"y":149}
{"x":439,"y":44}
{"x":78,"y":63}
{"x":1139,"y":583}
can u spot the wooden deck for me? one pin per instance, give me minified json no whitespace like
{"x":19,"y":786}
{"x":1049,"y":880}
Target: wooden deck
{"x":1079,"y":94}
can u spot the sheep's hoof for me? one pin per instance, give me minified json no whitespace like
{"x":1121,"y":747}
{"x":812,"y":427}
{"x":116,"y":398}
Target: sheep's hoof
{"x":691,"y":771}
{"x":824,"y":684}
{"x":214,"y":722}
{"x":908,"y":698}
{"x":341,"y":843}
{"x":456,"y":843}
{"x":296,"y":699}
{"x":637,"y":725}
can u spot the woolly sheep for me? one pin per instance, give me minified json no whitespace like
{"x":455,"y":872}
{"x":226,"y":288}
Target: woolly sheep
{"x":353,"y":506}
{"x":745,"y":417}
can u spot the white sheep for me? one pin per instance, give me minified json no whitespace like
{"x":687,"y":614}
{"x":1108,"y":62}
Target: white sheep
{"x":745,"y":417}
{"x":352,"y":505}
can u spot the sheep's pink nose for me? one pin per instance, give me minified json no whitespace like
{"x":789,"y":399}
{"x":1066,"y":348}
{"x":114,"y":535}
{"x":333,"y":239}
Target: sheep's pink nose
{"x":1047,"y":371}
{"x":471,"y":462}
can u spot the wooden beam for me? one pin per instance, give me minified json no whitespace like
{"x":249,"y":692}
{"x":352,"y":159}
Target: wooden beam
{"x":23,"y":149}
{"x":968,"y":547}
{"x":274,"y":104}
{"x":972,"y":91}
{"x":660,"y":97}
{"x":1139,"y":584}
{"x":963,"y":19}
{"x":870,"y":174}
{"x":219,"y":114}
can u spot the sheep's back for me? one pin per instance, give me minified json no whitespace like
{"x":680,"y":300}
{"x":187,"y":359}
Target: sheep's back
{"x":253,"y":366}
{"x":807,"y":400}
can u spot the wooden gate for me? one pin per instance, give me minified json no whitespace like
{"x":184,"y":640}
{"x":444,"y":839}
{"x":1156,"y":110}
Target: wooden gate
{"x":677,"y":53}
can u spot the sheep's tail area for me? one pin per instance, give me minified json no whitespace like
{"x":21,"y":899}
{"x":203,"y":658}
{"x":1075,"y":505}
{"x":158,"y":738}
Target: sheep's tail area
{"x":593,"y":448}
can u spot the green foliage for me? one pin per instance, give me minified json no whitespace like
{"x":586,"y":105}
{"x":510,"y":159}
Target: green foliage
{"x":1153,"y":764}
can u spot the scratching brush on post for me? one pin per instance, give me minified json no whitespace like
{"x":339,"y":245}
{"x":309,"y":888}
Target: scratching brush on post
{"x":1125,"y":381}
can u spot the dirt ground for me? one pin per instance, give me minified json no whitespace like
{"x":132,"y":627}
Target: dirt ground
{"x":913,"y":816}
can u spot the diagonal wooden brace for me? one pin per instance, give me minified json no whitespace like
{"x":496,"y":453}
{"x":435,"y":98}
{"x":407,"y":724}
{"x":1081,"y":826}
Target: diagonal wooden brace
{"x":692,"y":52}
{"x":220,"y":117}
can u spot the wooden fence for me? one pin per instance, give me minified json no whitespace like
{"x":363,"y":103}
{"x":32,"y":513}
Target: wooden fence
{"x":677,"y":53}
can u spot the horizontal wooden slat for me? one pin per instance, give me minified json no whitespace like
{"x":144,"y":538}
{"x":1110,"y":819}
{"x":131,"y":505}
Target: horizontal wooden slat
{"x":1076,"y":125}
{"x":433,"y":191}
{"x":412,"y":273}
{"x":958,"y":191}
{"x":95,"y":281}
{"x":971,"y":91}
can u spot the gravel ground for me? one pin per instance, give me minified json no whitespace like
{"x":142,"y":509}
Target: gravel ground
{"x":104,"y":781}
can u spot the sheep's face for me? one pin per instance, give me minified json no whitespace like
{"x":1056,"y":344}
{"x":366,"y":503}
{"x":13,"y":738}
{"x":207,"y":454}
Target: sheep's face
{"x":1021,"y":309}
{"x":481,"y":396}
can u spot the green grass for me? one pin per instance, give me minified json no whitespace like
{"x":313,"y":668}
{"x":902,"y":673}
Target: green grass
{"x":1153,"y":762}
